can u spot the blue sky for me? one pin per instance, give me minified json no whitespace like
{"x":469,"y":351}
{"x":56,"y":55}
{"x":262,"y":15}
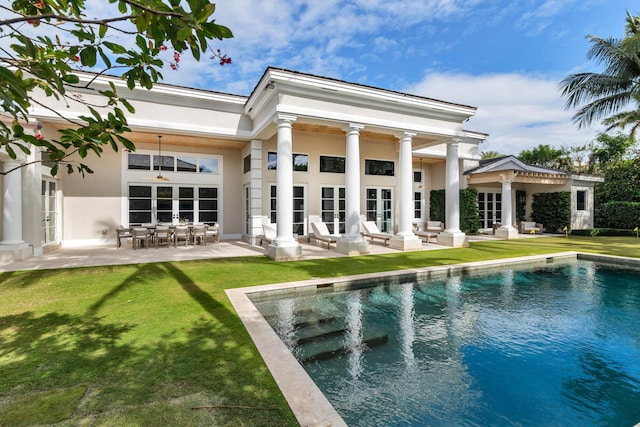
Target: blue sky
{"x":505,"y":57}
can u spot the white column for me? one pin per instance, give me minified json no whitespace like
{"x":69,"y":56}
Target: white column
{"x":506,"y":230}
{"x":405,"y":239}
{"x":352,"y":243}
{"x":452,"y":236}
{"x":285,"y":247}
{"x":255,"y":190}
{"x":12,"y":204}
{"x":352,"y":180}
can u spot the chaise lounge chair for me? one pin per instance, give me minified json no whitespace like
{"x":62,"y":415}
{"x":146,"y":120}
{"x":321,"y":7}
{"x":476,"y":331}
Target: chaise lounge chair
{"x":269,"y":233}
{"x":530,"y":227}
{"x":431,"y":230}
{"x":371,"y":231}
{"x":321,"y":233}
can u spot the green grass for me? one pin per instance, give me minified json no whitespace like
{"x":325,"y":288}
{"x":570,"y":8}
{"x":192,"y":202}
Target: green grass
{"x":144,"y":344}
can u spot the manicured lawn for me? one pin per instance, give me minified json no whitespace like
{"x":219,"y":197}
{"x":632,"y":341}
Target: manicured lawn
{"x":145,"y":344}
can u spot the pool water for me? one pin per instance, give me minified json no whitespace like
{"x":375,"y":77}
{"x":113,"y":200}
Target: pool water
{"x":545,"y":346}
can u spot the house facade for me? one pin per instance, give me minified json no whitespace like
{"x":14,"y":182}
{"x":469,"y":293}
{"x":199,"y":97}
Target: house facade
{"x":301,"y":148}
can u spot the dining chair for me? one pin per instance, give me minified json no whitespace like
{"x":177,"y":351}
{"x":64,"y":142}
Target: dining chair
{"x":140,"y":236}
{"x":163,"y":236}
{"x":182,"y":232}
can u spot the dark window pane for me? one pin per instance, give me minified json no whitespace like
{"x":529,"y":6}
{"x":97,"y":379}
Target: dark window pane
{"x":164,"y":216}
{"x":581,"y":200}
{"x":272,"y":160}
{"x":168,"y":163}
{"x":298,"y":191}
{"x":208,"y":205}
{"x":186,"y":205}
{"x":327,"y":192}
{"x":164,"y":192}
{"x":208,"y":217}
{"x":139,"y":161}
{"x":139,"y":217}
{"x":164,"y":205}
{"x":208,"y":193}
{"x":139,"y":204}
{"x":378,"y":167}
{"x":417,"y":176}
{"x":139,"y":191}
{"x":186,"y":192}
{"x":332,"y":164}
{"x":187,"y":164}
{"x":246,"y":163}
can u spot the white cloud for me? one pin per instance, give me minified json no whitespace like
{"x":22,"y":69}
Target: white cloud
{"x":518,"y":111}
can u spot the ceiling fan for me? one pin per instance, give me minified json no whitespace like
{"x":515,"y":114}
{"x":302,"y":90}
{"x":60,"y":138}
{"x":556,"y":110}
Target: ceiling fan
{"x":160,"y":162}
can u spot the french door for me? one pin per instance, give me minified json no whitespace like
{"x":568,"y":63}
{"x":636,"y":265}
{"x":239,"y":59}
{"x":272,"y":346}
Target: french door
{"x":379,"y":207}
{"x":490,"y":209}
{"x":172,"y":204}
{"x":333,"y":209}
{"x":49,"y":211}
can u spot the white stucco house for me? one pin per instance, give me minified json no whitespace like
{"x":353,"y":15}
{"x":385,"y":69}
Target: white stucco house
{"x":301,"y":148}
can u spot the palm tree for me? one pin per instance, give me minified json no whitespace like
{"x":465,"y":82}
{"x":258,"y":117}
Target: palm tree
{"x":602,"y":94}
{"x":484,"y":155}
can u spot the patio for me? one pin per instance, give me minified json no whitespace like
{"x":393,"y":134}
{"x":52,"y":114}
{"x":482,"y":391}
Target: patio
{"x":109,"y":255}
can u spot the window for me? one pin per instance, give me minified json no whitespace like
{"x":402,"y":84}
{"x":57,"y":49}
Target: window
{"x":378,"y":167}
{"x":139,"y":204}
{"x":208,"y":205}
{"x":417,"y":204}
{"x":139,"y":161}
{"x":246,"y":163}
{"x":581,"y":200}
{"x":209,"y":166}
{"x":187,"y":164}
{"x":178,"y":163}
{"x":417,"y":176}
{"x":272,"y":160}
{"x":166,"y":163}
{"x":300,"y":162}
{"x":298,"y":209}
{"x":332,"y":164}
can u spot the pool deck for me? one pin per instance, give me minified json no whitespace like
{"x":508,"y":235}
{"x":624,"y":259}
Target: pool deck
{"x":110,"y":255}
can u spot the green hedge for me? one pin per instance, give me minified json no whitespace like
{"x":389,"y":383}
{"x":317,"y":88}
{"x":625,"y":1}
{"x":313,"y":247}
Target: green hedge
{"x":553,"y":210}
{"x":603,"y":232}
{"x":469,"y":216}
{"x":619,"y":215}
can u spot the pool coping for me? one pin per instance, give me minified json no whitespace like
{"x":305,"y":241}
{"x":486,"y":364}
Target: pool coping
{"x":309,"y":405}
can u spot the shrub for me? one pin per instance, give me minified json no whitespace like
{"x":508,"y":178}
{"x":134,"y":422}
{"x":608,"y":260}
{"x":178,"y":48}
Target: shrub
{"x":603,"y":232}
{"x":553,"y":210}
{"x":469,"y":216}
{"x":619,"y":215}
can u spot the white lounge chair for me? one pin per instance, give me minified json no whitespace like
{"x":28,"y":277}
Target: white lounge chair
{"x":321,"y":233}
{"x":371,"y":231}
{"x":269,"y":233}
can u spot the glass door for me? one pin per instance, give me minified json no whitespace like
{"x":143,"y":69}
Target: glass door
{"x":49,"y":211}
{"x":172,"y":204}
{"x":489,"y":209}
{"x":333,"y":209}
{"x":379,"y":205}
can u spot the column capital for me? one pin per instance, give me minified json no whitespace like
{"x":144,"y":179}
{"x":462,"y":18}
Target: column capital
{"x":9,"y":164}
{"x":507,"y":177}
{"x":284,"y":118}
{"x":353,"y":127}
{"x":405,"y":135}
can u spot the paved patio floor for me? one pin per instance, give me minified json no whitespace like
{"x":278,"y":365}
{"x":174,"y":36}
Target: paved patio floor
{"x":110,"y":255}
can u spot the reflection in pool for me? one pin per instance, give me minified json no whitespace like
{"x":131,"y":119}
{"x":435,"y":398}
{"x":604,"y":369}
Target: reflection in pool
{"x":552,"y":345}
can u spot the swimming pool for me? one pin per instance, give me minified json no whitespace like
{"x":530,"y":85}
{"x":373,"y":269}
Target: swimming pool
{"x":555,"y":344}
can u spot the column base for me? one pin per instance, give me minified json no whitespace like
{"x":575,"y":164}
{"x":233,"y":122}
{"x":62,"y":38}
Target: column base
{"x":10,"y":252}
{"x":405,"y":243}
{"x":352,"y":246}
{"x":506,"y":232}
{"x":454,"y":239}
{"x":287,"y":251}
